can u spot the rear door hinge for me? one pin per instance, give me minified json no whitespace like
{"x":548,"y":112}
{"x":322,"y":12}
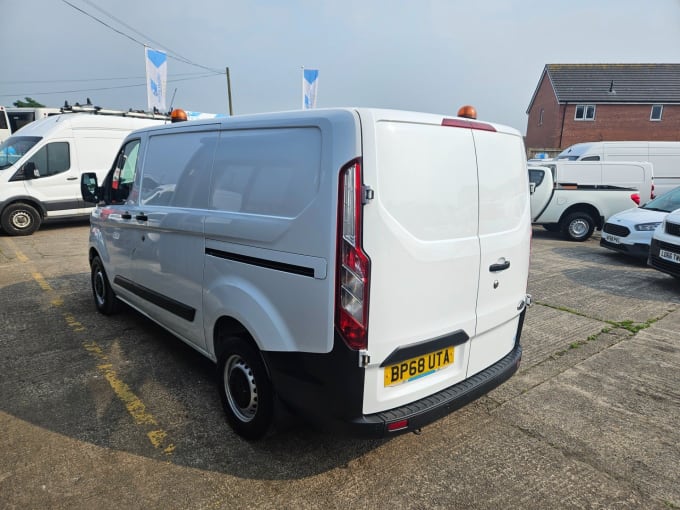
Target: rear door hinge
{"x":367,"y":194}
{"x":364,"y":358}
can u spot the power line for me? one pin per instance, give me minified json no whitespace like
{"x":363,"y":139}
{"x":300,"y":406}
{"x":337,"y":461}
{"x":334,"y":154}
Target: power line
{"x":31,"y":94}
{"x":76,"y":80}
{"x":177,"y":57}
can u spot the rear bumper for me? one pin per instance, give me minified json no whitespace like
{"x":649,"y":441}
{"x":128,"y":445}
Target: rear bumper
{"x":429,"y":409}
{"x":327,"y":389}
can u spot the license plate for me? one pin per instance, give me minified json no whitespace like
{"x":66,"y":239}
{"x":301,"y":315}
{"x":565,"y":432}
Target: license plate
{"x":669,"y":255}
{"x":612,"y":239}
{"x":417,"y":367}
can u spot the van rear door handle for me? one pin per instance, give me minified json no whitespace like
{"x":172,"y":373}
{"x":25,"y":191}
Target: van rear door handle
{"x":142,"y":217}
{"x":71,"y":178}
{"x":499,"y":266}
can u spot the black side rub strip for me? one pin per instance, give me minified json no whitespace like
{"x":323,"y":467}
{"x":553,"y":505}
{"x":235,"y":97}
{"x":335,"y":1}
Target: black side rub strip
{"x":254,"y":261}
{"x":411,"y":351}
{"x":175,"y":307}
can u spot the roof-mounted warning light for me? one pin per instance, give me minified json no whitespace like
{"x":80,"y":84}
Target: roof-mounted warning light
{"x":178,"y":115}
{"x":467,"y":111}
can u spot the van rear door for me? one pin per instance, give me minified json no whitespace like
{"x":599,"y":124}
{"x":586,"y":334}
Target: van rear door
{"x":504,"y":238}
{"x":421,"y":235}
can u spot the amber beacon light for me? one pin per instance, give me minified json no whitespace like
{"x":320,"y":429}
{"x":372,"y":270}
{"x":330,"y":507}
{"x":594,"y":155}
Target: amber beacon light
{"x":468,"y":112}
{"x":178,"y":115}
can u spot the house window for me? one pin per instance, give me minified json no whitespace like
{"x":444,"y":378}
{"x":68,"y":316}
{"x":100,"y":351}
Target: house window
{"x":585,"y":112}
{"x":657,"y":112}
{"x":540,"y":117}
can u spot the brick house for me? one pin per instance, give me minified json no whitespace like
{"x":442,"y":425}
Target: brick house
{"x":592,"y":102}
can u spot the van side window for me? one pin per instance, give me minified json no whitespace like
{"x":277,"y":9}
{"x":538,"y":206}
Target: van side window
{"x":54,"y":158}
{"x":177,"y":169}
{"x":591,"y":158}
{"x":536,"y":176}
{"x":124,"y":172}
{"x":280,"y":181}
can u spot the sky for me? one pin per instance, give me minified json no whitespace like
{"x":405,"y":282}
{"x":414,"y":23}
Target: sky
{"x":421,"y":55}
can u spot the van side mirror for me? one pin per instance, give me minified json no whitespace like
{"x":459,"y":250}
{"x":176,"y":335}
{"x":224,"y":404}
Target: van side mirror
{"x":89,"y":188}
{"x":30,"y":171}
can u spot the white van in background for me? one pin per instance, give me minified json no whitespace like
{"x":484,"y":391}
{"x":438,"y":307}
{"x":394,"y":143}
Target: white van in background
{"x":665,"y":156}
{"x":576,"y":197}
{"x":14,"y":118}
{"x":367,"y":268}
{"x":40,"y":166}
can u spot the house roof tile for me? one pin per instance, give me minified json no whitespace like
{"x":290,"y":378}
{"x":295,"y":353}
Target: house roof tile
{"x":615,"y":83}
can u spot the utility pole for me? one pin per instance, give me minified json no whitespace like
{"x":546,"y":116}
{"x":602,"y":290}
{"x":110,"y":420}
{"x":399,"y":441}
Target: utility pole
{"x":231,"y":111}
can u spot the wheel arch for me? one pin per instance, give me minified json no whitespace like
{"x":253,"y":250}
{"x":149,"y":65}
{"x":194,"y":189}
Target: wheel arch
{"x":589,"y":209}
{"x":28,"y":200}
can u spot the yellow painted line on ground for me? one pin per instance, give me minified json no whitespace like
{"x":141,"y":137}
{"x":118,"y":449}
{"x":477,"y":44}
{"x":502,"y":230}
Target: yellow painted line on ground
{"x":135,"y":407}
{"x":133,"y":404}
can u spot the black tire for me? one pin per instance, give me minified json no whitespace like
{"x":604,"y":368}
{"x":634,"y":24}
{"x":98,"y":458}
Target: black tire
{"x":20,"y":219}
{"x":104,"y":298}
{"x":578,"y":226}
{"x":552,"y":227}
{"x":245,"y":390}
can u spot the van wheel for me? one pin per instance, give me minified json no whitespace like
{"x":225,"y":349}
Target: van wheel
{"x":104,"y":298}
{"x":245,"y":389}
{"x":578,"y":226}
{"x":20,"y":219}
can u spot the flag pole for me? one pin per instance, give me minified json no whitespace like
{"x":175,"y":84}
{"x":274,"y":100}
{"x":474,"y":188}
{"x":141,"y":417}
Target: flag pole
{"x":302,"y":87}
{"x":231,"y":111}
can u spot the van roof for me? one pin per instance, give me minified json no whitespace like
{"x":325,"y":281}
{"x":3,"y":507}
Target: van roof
{"x":374,"y":113}
{"x":56,"y":123}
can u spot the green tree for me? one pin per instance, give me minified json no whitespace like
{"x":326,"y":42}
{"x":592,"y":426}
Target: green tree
{"x":28,"y":103}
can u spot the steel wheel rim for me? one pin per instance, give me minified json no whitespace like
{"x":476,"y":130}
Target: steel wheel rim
{"x":99,"y":286}
{"x":21,"y":219}
{"x":240,"y":388}
{"x":578,"y":228}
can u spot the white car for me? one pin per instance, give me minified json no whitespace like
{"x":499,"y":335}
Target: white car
{"x":664,"y":252}
{"x":631,"y":231}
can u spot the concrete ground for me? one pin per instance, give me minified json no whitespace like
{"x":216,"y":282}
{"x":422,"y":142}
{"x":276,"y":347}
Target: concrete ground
{"x":113,"y":412}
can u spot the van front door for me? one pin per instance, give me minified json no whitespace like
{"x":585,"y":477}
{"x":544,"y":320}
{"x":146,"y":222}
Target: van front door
{"x":541,"y":189}
{"x":53,"y":179}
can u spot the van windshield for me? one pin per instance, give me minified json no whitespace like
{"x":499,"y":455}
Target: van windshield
{"x":572,"y":153}
{"x":14,"y":148}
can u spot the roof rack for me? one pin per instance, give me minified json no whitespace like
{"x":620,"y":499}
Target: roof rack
{"x":98,"y":110}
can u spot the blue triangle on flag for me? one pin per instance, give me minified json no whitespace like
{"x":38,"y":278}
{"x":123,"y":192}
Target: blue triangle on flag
{"x":157,"y":58}
{"x":311,"y":75}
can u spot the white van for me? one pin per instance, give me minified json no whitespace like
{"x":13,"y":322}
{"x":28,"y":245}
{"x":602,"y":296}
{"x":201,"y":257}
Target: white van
{"x":41,"y":165}
{"x":664,"y":156}
{"x":367,"y":268}
{"x":576,"y":197}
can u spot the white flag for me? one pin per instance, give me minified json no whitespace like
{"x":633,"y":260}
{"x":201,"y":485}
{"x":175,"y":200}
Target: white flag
{"x":156,"y":78}
{"x":310,"y":81}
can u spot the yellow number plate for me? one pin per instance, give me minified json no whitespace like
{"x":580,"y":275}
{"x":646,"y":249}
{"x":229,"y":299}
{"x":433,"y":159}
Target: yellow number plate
{"x":418,"y":367}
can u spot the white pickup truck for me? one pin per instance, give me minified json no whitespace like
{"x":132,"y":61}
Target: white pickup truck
{"x":576,"y":197}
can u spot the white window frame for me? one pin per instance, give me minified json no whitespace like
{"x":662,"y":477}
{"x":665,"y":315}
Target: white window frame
{"x":540,"y":117}
{"x":651,"y":113}
{"x":585,"y":108}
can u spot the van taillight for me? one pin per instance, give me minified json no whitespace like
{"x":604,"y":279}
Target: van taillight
{"x":635,"y":197}
{"x":653,"y":195}
{"x":353,"y":266}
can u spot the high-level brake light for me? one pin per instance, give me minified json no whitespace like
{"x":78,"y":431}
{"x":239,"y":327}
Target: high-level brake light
{"x":353,"y":266}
